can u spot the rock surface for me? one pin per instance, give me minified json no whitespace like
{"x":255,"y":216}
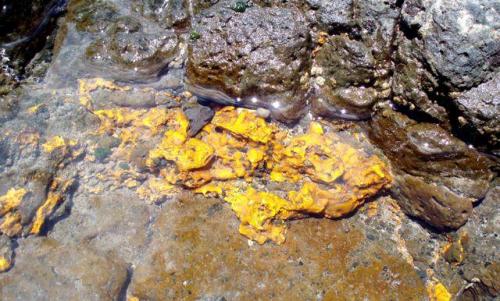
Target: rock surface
{"x":353,"y":65}
{"x":116,"y":185}
{"x":47,"y":270}
{"x":258,"y":57}
{"x":444,"y":48}
{"x":438,"y":176}
{"x":480,"y":107}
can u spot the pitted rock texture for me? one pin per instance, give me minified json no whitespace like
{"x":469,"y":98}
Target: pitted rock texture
{"x":75,"y":151}
{"x":438,"y":177}
{"x":192,"y":256}
{"x":459,"y":40}
{"x":480,"y":106}
{"x":444,"y":46}
{"x":353,"y":67}
{"x":261,"y":53}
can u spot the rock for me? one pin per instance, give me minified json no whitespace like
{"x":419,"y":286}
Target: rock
{"x":25,"y":26}
{"x":480,"y":107}
{"x":480,"y":243}
{"x":28,"y":31}
{"x":313,"y":262}
{"x":352,"y":66}
{"x":167,"y":13}
{"x":458,"y":39}
{"x":131,"y":50}
{"x":332,"y":15}
{"x":198,"y":117}
{"x":104,"y":222}
{"x":92,"y":16}
{"x":47,"y":270}
{"x":6,"y":253}
{"x":444,"y":47}
{"x":438,"y":176}
{"x":413,"y":85}
{"x":257,"y":60}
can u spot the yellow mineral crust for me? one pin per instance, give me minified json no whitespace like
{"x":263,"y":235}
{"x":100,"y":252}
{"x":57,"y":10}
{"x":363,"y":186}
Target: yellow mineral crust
{"x":54,"y":198}
{"x":155,"y":189}
{"x":328,"y":176}
{"x":11,"y":225}
{"x":243,"y":123}
{"x":5,"y":264}
{"x":85,"y":86}
{"x":259,"y":213}
{"x":334,"y":177}
{"x":187,"y":153}
{"x":56,"y":142}
{"x":11,"y":200}
{"x":437,"y":291}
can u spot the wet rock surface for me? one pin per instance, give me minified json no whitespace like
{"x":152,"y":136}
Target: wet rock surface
{"x":438,"y":176}
{"x":352,"y":66}
{"x":126,"y":173}
{"x":258,"y":56}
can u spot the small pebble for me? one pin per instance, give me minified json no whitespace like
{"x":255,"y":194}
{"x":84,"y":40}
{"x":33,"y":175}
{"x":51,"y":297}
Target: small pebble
{"x":264,"y":113}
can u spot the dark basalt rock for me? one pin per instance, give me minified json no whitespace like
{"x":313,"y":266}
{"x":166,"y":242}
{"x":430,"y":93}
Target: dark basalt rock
{"x":480,"y":110}
{"x":332,"y":15}
{"x":458,"y":39}
{"x":198,"y":116}
{"x":438,"y":177}
{"x":26,"y":35}
{"x":259,"y":56}
{"x":353,"y":67}
{"x":444,"y":47}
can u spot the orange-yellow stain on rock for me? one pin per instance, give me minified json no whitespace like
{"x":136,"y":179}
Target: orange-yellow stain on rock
{"x":187,"y":153}
{"x":54,"y":198}
{"x":335,"y":177}
{"x":56,"y":142}
{"x":243,"y":123}
{"x":86,"y":86}
{"x":34,"y":109}
{"x":5,"y":264}
{"x":259,"y":213}
{"x":437,"y":291}
{"x":11,"y":200}
{"x":11,"y":225}
{"x":155,"y":189}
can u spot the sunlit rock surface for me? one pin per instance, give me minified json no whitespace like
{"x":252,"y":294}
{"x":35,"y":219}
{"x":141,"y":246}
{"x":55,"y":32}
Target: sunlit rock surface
{"x":438,"y":176}
{"x":116,"y":183}
{"x":261,"y":58}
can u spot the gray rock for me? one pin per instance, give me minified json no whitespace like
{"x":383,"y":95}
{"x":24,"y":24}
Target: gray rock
{"x":166,"y":12}
{"x":47,"y":270}
{"x":444,"y":47}
{"x":460,"y":39}
{"x":480,"y":107}
{"x":480,"y":241}
{"x":6,"y":253}
{"x":198,"y":116}
{"x":333,"y":15}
